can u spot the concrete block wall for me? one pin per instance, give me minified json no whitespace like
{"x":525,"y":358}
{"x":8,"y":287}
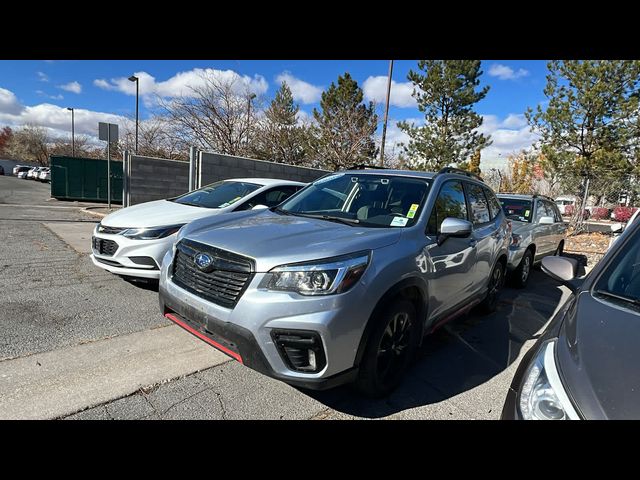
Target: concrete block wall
{"x":157,"y":178}
{"x":216,"y":166}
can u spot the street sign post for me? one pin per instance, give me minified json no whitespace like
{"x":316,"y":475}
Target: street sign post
{"x":109,"y":133}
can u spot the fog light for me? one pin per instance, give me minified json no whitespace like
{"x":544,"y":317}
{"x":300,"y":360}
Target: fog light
{"x":301,"y":350}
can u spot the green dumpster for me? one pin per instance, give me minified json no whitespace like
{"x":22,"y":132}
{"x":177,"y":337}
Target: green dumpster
{"x":84,"y":179}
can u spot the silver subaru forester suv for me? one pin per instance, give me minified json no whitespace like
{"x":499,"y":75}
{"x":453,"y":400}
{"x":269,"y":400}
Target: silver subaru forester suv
{"x":341,"y":281}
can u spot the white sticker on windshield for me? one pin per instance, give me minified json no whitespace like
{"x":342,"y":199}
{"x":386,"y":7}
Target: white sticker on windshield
{"x":399,"y":221}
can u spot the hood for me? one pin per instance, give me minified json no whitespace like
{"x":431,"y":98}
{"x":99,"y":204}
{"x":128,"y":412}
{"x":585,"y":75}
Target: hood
{"x":598,"y":357}
{"x":156,"y":214}
{"x":274,"y":239}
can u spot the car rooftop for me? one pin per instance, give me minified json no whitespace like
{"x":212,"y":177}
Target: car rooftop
{"x":266,"y":181}
{"x":407,"y":173}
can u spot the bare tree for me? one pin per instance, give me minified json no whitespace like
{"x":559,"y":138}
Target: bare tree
{"x":31,"y":144}
{"x":218,"y":114}
{"x":157,"y":137}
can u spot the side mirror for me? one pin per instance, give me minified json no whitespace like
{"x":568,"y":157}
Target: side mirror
{"x":546,"y":221}
{"x":259,"y":207}
{"x":617,"y":227}
{"x":562,"y":269}
{"x":454,"y":227}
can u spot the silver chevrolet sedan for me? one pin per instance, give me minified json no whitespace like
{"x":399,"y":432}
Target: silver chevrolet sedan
{"x":537,"y":231}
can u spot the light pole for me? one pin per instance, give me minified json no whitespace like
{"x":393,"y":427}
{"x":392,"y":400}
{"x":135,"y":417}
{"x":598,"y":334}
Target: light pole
{"x":386,"y":114}
{"x":73,"y":133}
{"x":133,"y":78}
{"x":251,"y":97}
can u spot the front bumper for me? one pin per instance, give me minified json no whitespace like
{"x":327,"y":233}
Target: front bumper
{"x":510,"y":409}
{"x":245,"y":330}
{"x":127,"y":248}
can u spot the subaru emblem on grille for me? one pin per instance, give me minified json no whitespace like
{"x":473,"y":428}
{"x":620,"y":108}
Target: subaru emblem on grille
{"x":203,"y":261}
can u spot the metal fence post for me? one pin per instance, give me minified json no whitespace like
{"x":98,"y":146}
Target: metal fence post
{"x":125,"y":178}
{"x":199,"y":164}
{"x":192,"y":166}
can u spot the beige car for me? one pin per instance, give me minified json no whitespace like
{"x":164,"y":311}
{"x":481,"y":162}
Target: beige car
{"x":537,"y":231}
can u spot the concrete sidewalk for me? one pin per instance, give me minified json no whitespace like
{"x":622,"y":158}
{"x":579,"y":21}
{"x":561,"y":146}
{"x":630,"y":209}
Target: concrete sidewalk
{"x":61,"y":382}
{"x":76,"y":235}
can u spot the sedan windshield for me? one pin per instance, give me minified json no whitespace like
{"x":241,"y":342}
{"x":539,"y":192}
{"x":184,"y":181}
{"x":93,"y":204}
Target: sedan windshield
{"x":520,"y":210}
{"x":620,"y":281}
{"x":217,"y":195}
{"x":367,"y":200}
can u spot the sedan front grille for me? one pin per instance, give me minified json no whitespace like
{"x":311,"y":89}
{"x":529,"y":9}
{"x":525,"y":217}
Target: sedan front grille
{"x":104,"y":246}
{"x":223,"y":284}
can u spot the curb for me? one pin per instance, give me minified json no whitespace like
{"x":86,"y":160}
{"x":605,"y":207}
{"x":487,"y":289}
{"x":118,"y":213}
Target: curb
{"x":95,"y":214}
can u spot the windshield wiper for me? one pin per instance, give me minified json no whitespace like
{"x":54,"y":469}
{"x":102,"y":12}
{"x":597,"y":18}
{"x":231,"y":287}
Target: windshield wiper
{"x":605,"y":293}
{"x":346,"y":221}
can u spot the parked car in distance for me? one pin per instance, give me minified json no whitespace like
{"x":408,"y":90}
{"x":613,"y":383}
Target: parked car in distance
{"x":18,"y":169}
{"x":537,"y":231}
{"x":340,"y":283}
{"x":23,"y":174}
{"x":563,"y":202}
{"x":33,"y":173}
{"x":132,"y":241}
{"x":585,"y":363}
{"x":45,"y":174}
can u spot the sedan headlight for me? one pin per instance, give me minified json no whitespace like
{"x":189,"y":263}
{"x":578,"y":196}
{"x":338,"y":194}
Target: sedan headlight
{"x":542,"y":396}
{"x":334,"y":275}
{"x":151,"y":233}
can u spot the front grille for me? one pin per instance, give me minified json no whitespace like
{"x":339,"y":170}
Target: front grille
{"x":223,"y":285}
{"x":103,"y":246}
{"x":110,"y":230}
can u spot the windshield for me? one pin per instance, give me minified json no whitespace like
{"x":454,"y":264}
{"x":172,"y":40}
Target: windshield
{"x":520,"y":210}
{"x":366,"y":200}
{"x":621,"y":279}
{"x":217,"y":195}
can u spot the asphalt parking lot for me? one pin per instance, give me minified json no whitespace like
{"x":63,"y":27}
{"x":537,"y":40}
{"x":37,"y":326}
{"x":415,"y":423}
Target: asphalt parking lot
{"x":80,"y":343}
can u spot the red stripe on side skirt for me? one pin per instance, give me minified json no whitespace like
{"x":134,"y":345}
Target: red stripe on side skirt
{"x":201,"y":336}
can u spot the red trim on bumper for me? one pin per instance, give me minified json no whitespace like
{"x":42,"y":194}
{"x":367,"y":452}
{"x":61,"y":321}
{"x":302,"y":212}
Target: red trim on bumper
{"x":201,"y":336}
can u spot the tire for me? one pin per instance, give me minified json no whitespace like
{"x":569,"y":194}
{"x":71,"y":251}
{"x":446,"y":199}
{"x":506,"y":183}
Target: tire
{"x":520,"y":275}
{"x":396,"y":334}
{"x":496,"y":281}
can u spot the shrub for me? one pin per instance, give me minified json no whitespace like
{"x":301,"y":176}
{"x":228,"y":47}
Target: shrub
{"x":623,"y":214}
{"x":600,"y":213}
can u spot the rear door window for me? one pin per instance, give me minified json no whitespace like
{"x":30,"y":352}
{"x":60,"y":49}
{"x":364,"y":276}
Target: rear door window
{"x":494,"y":204}
{"x":479,"y":205}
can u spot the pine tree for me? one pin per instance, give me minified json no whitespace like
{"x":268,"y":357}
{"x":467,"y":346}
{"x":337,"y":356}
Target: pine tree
{"x":343,"y":134}
{"x":446,"y":94}
{"x":474,"y":163}
{"x":279,"y":138}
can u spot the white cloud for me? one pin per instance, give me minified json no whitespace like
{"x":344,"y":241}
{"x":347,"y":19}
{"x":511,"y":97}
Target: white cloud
{"x":73,"y":87}
{"x":42,"y":77}
{"x":375,"y":89}
{"x":9,"y":103}
{"x":53,"y":97}
{"x":504,"y":72}
{"x":302,"y":91}
{"x":53,"y":117}
{"x":182,"y":83}
{"x":508,"y":136}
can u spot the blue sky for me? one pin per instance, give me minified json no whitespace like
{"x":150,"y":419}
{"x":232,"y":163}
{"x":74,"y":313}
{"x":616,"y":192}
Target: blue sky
{"x":39,"y":91}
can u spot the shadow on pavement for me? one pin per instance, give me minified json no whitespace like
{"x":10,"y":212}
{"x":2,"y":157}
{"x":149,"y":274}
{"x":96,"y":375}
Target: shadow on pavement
{"x":143,"y":283}
{"x":462,"y":355}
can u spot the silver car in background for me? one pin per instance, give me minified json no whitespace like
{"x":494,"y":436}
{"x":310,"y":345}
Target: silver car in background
{"x":537,"y":231}
{"x":340,"y":282}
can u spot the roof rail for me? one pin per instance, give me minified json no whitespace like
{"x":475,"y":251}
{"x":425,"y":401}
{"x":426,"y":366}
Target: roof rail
{"x":460,"y":172}
{"x":362,"y":166}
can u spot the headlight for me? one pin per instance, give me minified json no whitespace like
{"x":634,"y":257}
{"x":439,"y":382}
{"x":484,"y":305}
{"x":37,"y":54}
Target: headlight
{"x":151,"y":233}
{"x":515,"y":240}
{"x":334,"y":275}
{"x":542,"y":396}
